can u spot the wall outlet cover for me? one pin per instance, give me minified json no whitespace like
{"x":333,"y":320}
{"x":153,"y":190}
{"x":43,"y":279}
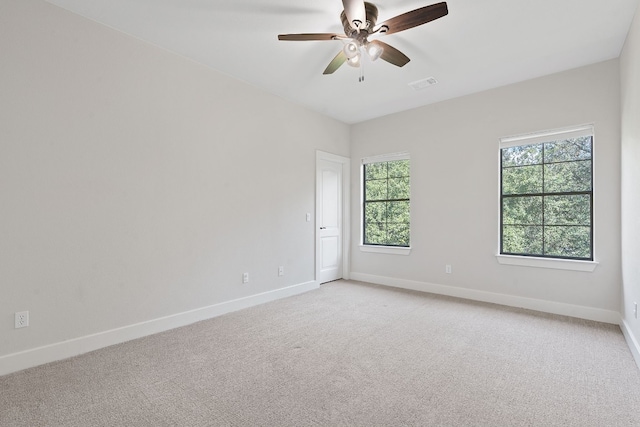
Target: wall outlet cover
{"x":22,"y":319}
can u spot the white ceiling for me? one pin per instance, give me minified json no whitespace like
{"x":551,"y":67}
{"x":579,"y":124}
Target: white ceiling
{"x":477,"y":46}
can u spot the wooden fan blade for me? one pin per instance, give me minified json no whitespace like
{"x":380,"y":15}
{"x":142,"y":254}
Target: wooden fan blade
{"x":340,"y":59}
{"x":310,"y":36}
{"x":414,"y":18}
{"x":355,"y":11}
{"x":391,"y":54}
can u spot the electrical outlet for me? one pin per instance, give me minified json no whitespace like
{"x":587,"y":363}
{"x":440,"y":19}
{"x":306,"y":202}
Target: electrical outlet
{"x":281,"y":271}
{"x":22,"y":319}
{"x":447,"y":269}
{"x":245,"y":277}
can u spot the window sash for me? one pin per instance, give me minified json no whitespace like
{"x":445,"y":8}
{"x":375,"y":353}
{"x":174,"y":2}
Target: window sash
{"x":542,"y":138}
{"x":384,"y":201}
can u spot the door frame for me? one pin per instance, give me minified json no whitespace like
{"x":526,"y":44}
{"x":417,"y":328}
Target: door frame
{"x":346,"y":212}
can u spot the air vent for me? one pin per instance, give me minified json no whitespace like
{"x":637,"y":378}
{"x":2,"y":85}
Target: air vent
{"x":423,"y":84}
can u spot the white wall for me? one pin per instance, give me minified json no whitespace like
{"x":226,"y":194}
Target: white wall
{"x":630,"y":161}
{"x":136,"y":184}
{"x":455,"y":200}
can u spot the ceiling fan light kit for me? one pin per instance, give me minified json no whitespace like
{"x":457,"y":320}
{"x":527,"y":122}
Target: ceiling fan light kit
{"x":351,"y":49}
{"x":374,"y":51}
{"x":359,"y":21}
{"x":355,"y":61}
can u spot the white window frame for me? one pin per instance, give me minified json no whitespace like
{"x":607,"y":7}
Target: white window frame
{"x":393,"y":250}
{"x":537,"y":138}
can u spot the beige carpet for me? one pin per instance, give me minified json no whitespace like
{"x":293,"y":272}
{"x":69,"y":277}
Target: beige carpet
{"x":347,"y":354}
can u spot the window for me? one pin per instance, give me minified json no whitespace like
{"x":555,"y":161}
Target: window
{"x":546,"y":194}
{"x":386,"y":201}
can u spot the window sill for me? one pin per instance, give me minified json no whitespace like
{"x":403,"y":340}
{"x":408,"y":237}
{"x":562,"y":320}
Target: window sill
{"x":394,"y":250}
{"x":559,"y":264}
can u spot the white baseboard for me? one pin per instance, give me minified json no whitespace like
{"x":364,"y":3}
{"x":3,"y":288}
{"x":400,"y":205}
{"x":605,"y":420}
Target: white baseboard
{"x":49,"y":353}
{"x":589,"y":313}
{"x":632,"y":342}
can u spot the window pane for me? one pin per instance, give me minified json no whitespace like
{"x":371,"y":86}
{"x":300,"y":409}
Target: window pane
{"x":375,"y":233}
{"x":522,"y":155}
{"x":564,"y":177}
{"x":398,"y":212}
{"x":375,"y":171}
{"x":522,"y":210}
{"x":568,"y":241}
{"x":567,"y":210}
{"x":522,"y":180}
{"x":398,"y":168}
{"x":398,"y":188}
{"x":567,"y":150}
{"x":376,"y":190}
{"x":522,"y":239}
{"x":375,"y":212}
{"x":398,"y":234}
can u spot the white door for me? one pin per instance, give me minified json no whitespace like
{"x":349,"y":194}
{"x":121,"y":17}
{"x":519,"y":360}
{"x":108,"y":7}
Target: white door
{"x":330,"y":208}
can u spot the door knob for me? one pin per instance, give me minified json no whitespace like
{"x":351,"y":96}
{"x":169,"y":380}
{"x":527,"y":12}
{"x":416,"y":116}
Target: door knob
{"x":323,"y":228}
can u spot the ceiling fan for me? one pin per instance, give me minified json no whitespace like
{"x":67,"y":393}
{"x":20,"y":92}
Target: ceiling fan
{"x":359,"y":22}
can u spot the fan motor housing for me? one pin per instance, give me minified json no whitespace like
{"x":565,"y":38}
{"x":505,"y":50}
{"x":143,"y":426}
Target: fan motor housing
{"x":371,"y":12}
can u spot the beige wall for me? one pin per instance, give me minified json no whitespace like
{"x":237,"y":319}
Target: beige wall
{"x":630,"y":164}
{"x":136,"y":184}
{"x":455,"y":181}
